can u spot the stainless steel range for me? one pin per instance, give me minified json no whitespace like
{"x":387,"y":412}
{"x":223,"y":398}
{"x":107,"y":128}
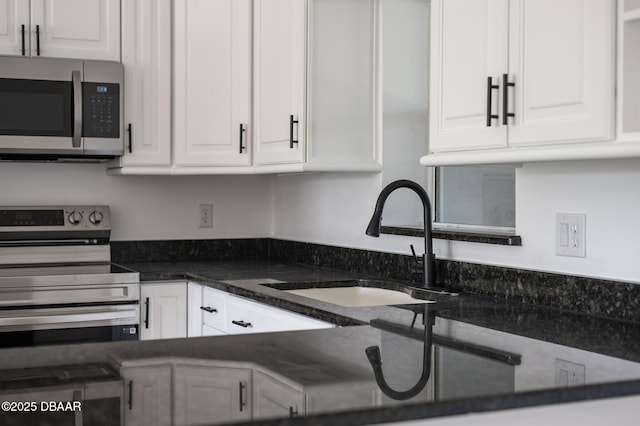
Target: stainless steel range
{"x":57,"y":282}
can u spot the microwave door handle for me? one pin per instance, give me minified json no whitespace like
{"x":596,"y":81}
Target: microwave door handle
{"x":77,"y":109}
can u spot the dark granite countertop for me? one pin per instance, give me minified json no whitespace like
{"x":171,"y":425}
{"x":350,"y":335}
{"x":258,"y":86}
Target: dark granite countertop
{"x":478,"y":327}
{"x":487,"y":354}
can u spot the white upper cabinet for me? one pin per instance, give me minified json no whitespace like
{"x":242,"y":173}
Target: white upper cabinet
{"x":279,"y":66}
{"x":83,"y":29}
{"x":343,"y":105}
{"x":629,"y":71}
{"x":519,"y":74}
{"x":14,"y":27}
{"x":469,"y":46}
{"x":254,"y":86}
{"x":561,"y":60}
{"x":146,"y":55}
{"x":212,"y":82}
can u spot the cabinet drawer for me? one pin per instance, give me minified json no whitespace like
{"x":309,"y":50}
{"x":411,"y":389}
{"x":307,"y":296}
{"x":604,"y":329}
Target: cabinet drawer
{"x":213,"y":307}
{"x":244,"y":316}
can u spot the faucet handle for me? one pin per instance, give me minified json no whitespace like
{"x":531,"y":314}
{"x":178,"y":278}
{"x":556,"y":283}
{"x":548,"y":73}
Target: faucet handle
{"x":415,"y":257}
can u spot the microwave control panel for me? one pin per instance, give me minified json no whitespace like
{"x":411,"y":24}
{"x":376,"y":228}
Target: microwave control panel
{"x":101,"y":110}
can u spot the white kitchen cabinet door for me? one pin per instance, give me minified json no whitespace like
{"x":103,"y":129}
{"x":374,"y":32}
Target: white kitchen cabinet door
{"x":469,"y":44}
{"x":163,"y":311}
{"x":342,"y":92}
{"x":274,"y":399}
{"x":212,"y":82}
{"x":551,"y":64}
{"x":14,"y":14}
{"x":146,"y":56}
{"x":210,"y":395}
{"x":562,"y":61}
{"x":194,"y":311}
{"x":84,"y":29}
{"x":628,"y":77}
{"x":279,"y":58}
{"x":147,"y":399}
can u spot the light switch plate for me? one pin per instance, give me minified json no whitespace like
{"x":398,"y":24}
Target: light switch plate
{"x":570,"y":234}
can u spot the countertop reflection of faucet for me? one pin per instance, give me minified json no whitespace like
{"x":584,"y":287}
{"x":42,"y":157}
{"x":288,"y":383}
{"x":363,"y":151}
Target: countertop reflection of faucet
{"x":373,"y":355}
{"x":373,"y":230}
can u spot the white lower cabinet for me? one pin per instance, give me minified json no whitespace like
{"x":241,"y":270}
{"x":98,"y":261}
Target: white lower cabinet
{"x":163,"y":311}
{"x":204,"y":392}
{"x":214,"y":312}
{"x":194,"y":313}
{"x":206,"y":309}
{"x":147,"y":395}
{"x":273,"y":398}
{"x":210,"y":395}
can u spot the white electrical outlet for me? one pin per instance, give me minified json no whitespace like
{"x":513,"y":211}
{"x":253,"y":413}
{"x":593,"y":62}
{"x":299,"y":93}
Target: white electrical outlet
{"x":206,"y":215}
{"x":569,"y":373}
{"x":570,"y":234}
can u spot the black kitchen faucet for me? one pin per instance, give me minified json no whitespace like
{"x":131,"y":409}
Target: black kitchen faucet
{"x":373,"y":230}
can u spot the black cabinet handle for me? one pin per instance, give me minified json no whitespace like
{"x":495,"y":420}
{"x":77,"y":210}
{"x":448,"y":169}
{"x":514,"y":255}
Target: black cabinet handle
{"x":130,"y":131}
{"x":38,"y":40}
{"x":130,"y":401}
{"x":490,"y":87}
{"x":146,"y":314}
{"x":208,"y":309}
{"x":242,"y":323}
{"x":292,"y":121}
{"x":242,"y":402}
{"x":293,"y":413}
{"x":505,"y":99}
{"x":242,"y":130}
{"x":24,"y":51}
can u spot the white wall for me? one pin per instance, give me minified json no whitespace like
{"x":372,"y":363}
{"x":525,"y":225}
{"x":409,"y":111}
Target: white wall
{"x":146,"y":207}
{"x":334,"y":209}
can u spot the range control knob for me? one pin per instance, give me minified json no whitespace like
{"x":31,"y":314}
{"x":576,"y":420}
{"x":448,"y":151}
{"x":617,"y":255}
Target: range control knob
{"x":96,"y":217}
{"x":75,"y":217}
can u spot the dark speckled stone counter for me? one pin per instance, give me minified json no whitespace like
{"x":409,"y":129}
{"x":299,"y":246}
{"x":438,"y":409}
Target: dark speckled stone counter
{"x":488,"y":353}
{"x":475,"y":324}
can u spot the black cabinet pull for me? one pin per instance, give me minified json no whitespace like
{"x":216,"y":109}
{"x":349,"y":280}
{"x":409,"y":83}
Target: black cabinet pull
{"x":242,"y":402}
{"x":293,"y":413}
{"x":490,"y":87}
{"x":24,"y":50}
{"x":208,"y":309}
{"x":38,"y":40}
{"x":130,"y":131}
{"x":292,"y":121}
{"x":242,"y":130}
{"x":146,"y":314}
{"x":242,"y":323}
{"x":505,"y":99}
{"x":130,"y":401}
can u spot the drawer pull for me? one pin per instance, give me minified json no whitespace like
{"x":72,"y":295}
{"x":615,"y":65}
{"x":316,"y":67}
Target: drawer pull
{"x":208,"y":309}
{"x":242,"y":323}
{"x":490,"y":87}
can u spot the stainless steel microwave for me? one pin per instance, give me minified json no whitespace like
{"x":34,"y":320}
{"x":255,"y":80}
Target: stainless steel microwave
{"x":54,"y":109}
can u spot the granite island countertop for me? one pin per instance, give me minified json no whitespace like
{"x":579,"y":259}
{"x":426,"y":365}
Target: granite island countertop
{"x":488,"y":354}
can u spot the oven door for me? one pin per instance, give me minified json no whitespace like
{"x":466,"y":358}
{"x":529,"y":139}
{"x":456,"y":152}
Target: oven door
{"x":62,"y":325}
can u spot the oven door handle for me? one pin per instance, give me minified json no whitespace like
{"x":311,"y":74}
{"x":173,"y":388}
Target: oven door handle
{"x":69,"y":318}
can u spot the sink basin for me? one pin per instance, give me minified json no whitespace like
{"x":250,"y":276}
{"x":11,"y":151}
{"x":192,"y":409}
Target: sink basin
{"x":358,"y":296}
